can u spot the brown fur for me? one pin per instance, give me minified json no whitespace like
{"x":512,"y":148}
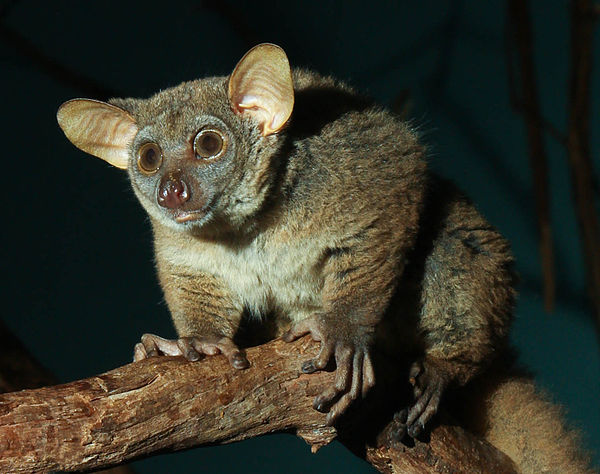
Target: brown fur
{"x":542,"y":444}
{"x":334,"y":226}
{"x":505,"y":407}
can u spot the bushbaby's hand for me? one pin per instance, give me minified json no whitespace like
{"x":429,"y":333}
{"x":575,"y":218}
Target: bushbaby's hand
{"x":192,"y":348}
{"x":354,"y":370}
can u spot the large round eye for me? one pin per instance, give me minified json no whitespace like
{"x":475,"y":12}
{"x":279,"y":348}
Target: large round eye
{"x":149,"y":158}
{"x":209,"y":144}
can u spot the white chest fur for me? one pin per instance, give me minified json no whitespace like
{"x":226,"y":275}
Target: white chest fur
{"x":263,"y":276}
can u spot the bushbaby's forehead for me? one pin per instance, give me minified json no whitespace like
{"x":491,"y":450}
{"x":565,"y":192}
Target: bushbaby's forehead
{"x":174,"y":112}
{"x":187,"y":98}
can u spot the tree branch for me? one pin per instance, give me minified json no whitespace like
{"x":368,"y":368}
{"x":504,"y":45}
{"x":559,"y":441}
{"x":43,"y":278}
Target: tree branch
{"x":20,"y":370}
{"x":580,"y":157}
{"x":520,"y":29}
{"x":168,"y":403}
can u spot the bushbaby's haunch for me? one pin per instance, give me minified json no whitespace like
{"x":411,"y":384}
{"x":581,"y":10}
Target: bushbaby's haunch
{"x":285,"y":196}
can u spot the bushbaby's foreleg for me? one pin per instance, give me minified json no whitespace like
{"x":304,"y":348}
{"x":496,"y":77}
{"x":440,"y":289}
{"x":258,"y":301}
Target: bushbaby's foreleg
{"x":204,"y":315}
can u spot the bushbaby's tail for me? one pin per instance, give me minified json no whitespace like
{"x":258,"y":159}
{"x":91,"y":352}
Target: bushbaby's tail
{"x":517,"y":419}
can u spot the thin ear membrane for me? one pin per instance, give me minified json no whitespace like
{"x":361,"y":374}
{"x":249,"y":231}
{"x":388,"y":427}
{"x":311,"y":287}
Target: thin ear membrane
{"x":261,"y":86}
{"x":99,"y":129}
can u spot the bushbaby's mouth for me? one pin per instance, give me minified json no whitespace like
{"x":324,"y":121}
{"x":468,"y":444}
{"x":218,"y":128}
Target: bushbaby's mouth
{"x":187,"y":216}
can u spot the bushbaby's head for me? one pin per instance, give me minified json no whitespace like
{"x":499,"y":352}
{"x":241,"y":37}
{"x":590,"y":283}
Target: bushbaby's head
{"x":199,"y":152}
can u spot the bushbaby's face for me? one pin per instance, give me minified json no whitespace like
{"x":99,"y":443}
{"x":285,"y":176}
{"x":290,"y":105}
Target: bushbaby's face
{"x":199,"y":152}
{"x":189,"y":152}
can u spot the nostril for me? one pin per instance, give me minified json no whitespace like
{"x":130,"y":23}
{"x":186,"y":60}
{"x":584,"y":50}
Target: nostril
{"x":175,"y":187}
{"x":172,"y":193}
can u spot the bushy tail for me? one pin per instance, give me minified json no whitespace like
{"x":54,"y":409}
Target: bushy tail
{"x":521,"y":422}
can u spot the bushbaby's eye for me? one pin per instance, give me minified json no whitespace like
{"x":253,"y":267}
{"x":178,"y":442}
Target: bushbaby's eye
{"x":209,"y":144}
{"x":149,"y":158}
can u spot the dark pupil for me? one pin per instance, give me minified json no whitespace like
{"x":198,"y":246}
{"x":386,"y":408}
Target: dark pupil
{"x":150,"y":158}
{"x":210,"y":144}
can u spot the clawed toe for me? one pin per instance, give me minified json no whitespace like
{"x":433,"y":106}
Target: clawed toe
{"x":354,"y":378}
{"x":428,"y":387}
{"x":399,"y":428}
{"x":192,"y":348}
{"x":349,"y":347}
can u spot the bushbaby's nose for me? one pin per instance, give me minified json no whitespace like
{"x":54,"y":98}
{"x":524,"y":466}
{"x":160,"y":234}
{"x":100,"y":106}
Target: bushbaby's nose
{"x":172,"y":192}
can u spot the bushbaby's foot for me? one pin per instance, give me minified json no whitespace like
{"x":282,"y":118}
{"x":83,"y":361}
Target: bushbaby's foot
{"x":429,"y":383}
{"x":192,"y":348}
{"x":354,"y":369}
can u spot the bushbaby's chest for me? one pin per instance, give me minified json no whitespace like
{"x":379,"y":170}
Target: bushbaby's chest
{"x":262,"y":278}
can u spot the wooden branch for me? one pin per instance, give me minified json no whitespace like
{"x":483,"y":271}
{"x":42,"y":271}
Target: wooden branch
{"x":451,"y":449}
{"x":540,"y":121}
{"x":580,"y":159}
{"x":516,"y":101}
{"x":520,"y":28}
{"x":20,"y":370}
{"x":168,"y":403}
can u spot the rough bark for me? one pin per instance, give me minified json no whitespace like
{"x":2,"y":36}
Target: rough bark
{"x":168,"y":404}
{"x":20,"y":370}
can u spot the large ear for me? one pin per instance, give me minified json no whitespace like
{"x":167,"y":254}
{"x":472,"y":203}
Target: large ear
{"x":99,"y":129}
{"x":261,"y":86}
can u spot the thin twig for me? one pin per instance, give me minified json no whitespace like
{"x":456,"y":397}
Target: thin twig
{"x":515,"y":101}
{"x":541,"y":122}
{"x":53,"y":68}
{"x":520,"y":29}
{"x":580,"y":159}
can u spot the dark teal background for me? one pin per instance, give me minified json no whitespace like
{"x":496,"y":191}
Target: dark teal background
{"x":78,"y":281}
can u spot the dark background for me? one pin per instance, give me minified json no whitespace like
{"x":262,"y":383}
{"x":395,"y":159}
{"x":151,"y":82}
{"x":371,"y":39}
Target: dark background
{"x":78,"y":282}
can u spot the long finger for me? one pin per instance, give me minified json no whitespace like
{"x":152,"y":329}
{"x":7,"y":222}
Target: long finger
{"x":187,"y":349}
{"x":139,"y":352}
{"x":399,"y":427}
{"x":418,"y":389}
{"x":206,"y":347}
{"x":343,"y":371}
{"x":342,"y":377}
{"x":323,"y":400}
{"x":149,"y":345}
{"x":429,"y":412}
{"x":419,"y":406}
{"x":236,"y":358}
{"x":340,"y":407}
{"x":321,"y":360}
{"x":368,"y":375}
{"x":155,"y":344}
{"x":297,"y":330}
{"x":415,"y":369}
{"x":357,"y":374}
